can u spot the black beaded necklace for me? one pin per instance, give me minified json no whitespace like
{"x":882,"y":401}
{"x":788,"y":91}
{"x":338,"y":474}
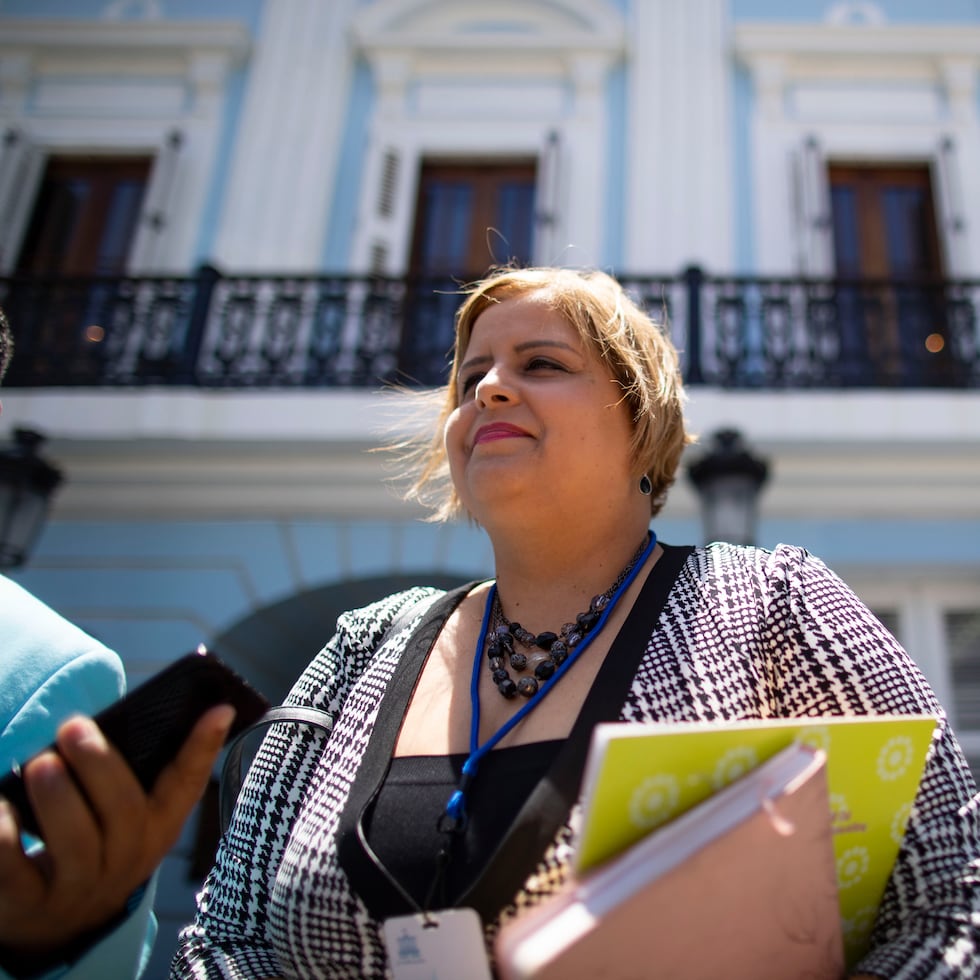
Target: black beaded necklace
{"x":555,"y":647}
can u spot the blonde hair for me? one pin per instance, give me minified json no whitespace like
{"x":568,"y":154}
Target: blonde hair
{"x":638,"y":353}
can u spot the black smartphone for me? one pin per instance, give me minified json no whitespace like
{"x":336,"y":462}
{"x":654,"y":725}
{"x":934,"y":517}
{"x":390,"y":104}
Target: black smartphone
{"x":153,"y":720}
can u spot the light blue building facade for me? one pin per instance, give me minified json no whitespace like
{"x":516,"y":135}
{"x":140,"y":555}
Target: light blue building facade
{"x":748,"y":139}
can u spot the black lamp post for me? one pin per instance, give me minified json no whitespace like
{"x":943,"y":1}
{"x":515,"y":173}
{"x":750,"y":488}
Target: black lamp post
{"x":728,"y":479}
{"x":26,"y":485}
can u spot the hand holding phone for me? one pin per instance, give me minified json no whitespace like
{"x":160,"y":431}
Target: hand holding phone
{"x":104,"y":833}
{"x":149,"y":724}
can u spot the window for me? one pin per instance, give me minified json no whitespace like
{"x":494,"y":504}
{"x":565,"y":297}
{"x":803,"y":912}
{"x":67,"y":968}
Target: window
{"x":472,"y":216}
{"x":469,"y":217}
{"x":82,"y":227}
{"x":893,"y":325}
{"x":85,"y":216}
{"x":883,"y":221}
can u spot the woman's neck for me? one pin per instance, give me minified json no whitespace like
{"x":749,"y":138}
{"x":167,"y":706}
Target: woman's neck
{"x":545,"y":583}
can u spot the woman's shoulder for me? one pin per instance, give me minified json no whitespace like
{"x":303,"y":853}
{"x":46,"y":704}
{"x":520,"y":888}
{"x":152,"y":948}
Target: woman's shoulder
{"x":390,"y":607}
{"x":781,"y":567}
{"x":724,"y":554}
{"x":377,"y":621}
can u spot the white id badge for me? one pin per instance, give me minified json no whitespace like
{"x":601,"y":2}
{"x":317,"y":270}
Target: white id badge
{"x":446,"y":945}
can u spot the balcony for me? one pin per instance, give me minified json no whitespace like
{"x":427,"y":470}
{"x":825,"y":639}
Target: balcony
{"x":333,"y":331}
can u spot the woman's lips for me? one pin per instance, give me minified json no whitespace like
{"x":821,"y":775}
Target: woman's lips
{"x":498,"y":430}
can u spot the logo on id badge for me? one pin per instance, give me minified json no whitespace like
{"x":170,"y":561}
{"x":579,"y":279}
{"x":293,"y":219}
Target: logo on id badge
{"x":445,"y":945}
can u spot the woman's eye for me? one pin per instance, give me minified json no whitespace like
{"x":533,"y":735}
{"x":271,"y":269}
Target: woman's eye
{"x":538,"y":363}
{"x":468,"y":383}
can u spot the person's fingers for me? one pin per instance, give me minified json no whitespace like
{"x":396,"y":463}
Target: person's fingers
{"x":14,"y":865}
{"x":71,"y":832}
{"x":112,"y":790}
{"x":181,"y":784}
{"x":23,"y":887}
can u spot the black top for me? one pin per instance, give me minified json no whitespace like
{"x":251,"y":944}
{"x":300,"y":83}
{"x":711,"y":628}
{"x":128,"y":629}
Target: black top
{"x":524,"y":841}
{"x":402,"y":825}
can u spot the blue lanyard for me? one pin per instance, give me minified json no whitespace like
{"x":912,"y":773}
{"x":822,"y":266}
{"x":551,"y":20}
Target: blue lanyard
{"x":456,"y":807}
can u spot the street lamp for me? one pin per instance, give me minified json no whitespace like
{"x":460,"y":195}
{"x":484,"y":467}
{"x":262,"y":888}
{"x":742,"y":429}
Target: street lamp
{"x":728,"y":479}
{"x":26,"y":485}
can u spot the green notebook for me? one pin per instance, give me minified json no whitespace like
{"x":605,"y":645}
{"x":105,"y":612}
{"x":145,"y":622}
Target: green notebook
{"x":639,"y":776}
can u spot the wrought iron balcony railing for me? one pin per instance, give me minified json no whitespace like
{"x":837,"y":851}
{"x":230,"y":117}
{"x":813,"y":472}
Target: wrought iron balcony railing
{"x":211,"y":330}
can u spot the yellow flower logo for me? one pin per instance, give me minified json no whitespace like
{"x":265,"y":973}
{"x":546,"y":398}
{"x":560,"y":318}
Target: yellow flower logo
{"x":839,"y":810}
{"x":734,"y":764}
{"x":894,"y":758}
{"x":654,"y":801}
{"x":900,"y":821}
{"x":852,"y":866}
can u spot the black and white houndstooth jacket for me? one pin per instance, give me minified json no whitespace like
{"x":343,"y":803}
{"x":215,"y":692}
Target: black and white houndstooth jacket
{"x":745,"y":633}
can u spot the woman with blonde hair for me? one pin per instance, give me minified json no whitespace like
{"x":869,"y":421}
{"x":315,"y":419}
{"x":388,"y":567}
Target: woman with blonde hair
{"x":447,"y":779}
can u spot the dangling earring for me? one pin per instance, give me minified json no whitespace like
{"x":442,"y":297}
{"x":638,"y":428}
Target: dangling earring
{"x":646,"y":487}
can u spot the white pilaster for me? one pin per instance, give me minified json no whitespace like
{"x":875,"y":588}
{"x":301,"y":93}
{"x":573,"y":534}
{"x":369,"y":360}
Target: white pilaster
{"x":285,"y":159}
{"x":587,"y":137}
{"x":679,"y":185}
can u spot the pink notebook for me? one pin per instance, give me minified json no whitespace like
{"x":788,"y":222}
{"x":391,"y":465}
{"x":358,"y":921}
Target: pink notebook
{"x":743,"y":886}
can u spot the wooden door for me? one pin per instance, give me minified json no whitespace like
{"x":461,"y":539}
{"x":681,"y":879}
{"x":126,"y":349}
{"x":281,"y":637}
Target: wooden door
{"x":65,"y":292}
{"x":469,"y":217}
{"x":887,"y":254}
{"x":85,"y":216}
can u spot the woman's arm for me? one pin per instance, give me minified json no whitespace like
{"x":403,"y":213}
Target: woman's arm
{"x":232,"y":935}
{"x":843,"y":660}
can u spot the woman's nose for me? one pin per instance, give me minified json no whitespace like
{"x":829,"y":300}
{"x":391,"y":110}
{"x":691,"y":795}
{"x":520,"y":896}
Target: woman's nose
{"x":494,"y":388}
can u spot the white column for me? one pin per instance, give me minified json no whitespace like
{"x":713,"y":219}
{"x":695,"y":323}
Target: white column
{"x":679,"y":184}
{"x":285,"y":158}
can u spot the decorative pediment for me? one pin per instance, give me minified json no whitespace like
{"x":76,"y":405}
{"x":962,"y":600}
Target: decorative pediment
{"x":432,"y":26}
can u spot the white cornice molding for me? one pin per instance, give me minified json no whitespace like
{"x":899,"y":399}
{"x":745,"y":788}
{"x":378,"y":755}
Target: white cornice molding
{"x":834,"y":42}
{"x":161,"y":454}
{"x":59,"y":37}
{"x":300,"y":415}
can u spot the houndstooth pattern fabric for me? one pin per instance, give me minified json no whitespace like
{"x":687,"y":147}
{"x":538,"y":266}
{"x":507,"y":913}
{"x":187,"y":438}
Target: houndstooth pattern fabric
{"x":746,"y":633}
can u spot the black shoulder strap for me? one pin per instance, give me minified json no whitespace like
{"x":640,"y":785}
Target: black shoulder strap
{"x":230,"y":783}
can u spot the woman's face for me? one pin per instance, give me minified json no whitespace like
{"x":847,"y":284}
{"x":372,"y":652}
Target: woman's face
{"x":541,"y":422}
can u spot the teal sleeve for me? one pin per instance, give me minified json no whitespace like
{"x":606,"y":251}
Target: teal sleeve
{"x":84,"y":685}
{"x":49,"y":670}
{"x":121,"y":953}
